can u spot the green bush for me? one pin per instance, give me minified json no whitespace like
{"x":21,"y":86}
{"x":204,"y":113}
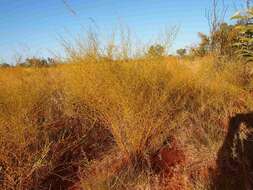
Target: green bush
{"x":245,"y":28}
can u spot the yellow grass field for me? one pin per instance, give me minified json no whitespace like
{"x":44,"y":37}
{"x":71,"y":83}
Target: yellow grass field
{"x":100,"y":124}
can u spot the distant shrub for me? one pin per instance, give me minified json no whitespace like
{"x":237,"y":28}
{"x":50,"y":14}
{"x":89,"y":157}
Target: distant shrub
{"x":37,"y":62}
{"x":4,"y":65}
{"x":156,"y":51}
{"x":181,"y":52}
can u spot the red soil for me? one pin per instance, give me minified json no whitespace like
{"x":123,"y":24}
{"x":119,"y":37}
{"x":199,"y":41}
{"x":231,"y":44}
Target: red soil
{"x":168,"y":157}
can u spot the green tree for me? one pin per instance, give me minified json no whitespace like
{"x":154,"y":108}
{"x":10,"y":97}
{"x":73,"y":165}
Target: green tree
{"x":181,"y":52}
{"x":156,"y":51}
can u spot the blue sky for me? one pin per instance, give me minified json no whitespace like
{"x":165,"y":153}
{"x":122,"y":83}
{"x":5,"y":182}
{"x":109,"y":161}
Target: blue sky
{"x":32,"y":27}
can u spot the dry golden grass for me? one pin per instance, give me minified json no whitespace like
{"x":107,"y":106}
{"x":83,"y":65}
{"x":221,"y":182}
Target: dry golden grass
{"x":46,"y":113}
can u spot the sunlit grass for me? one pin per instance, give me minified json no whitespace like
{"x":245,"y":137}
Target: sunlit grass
{"x":141,"y":101}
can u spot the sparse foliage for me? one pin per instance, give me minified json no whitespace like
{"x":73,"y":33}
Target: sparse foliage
{"x":220,"y":43}
{"x":203,"y":47}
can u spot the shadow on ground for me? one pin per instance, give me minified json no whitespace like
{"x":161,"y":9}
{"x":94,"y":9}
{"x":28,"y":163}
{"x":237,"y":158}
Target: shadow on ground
{"x":235,"y":157}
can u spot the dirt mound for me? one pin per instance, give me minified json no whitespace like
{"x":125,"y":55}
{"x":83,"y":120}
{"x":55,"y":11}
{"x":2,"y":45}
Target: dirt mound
{"x":168,"y":157}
